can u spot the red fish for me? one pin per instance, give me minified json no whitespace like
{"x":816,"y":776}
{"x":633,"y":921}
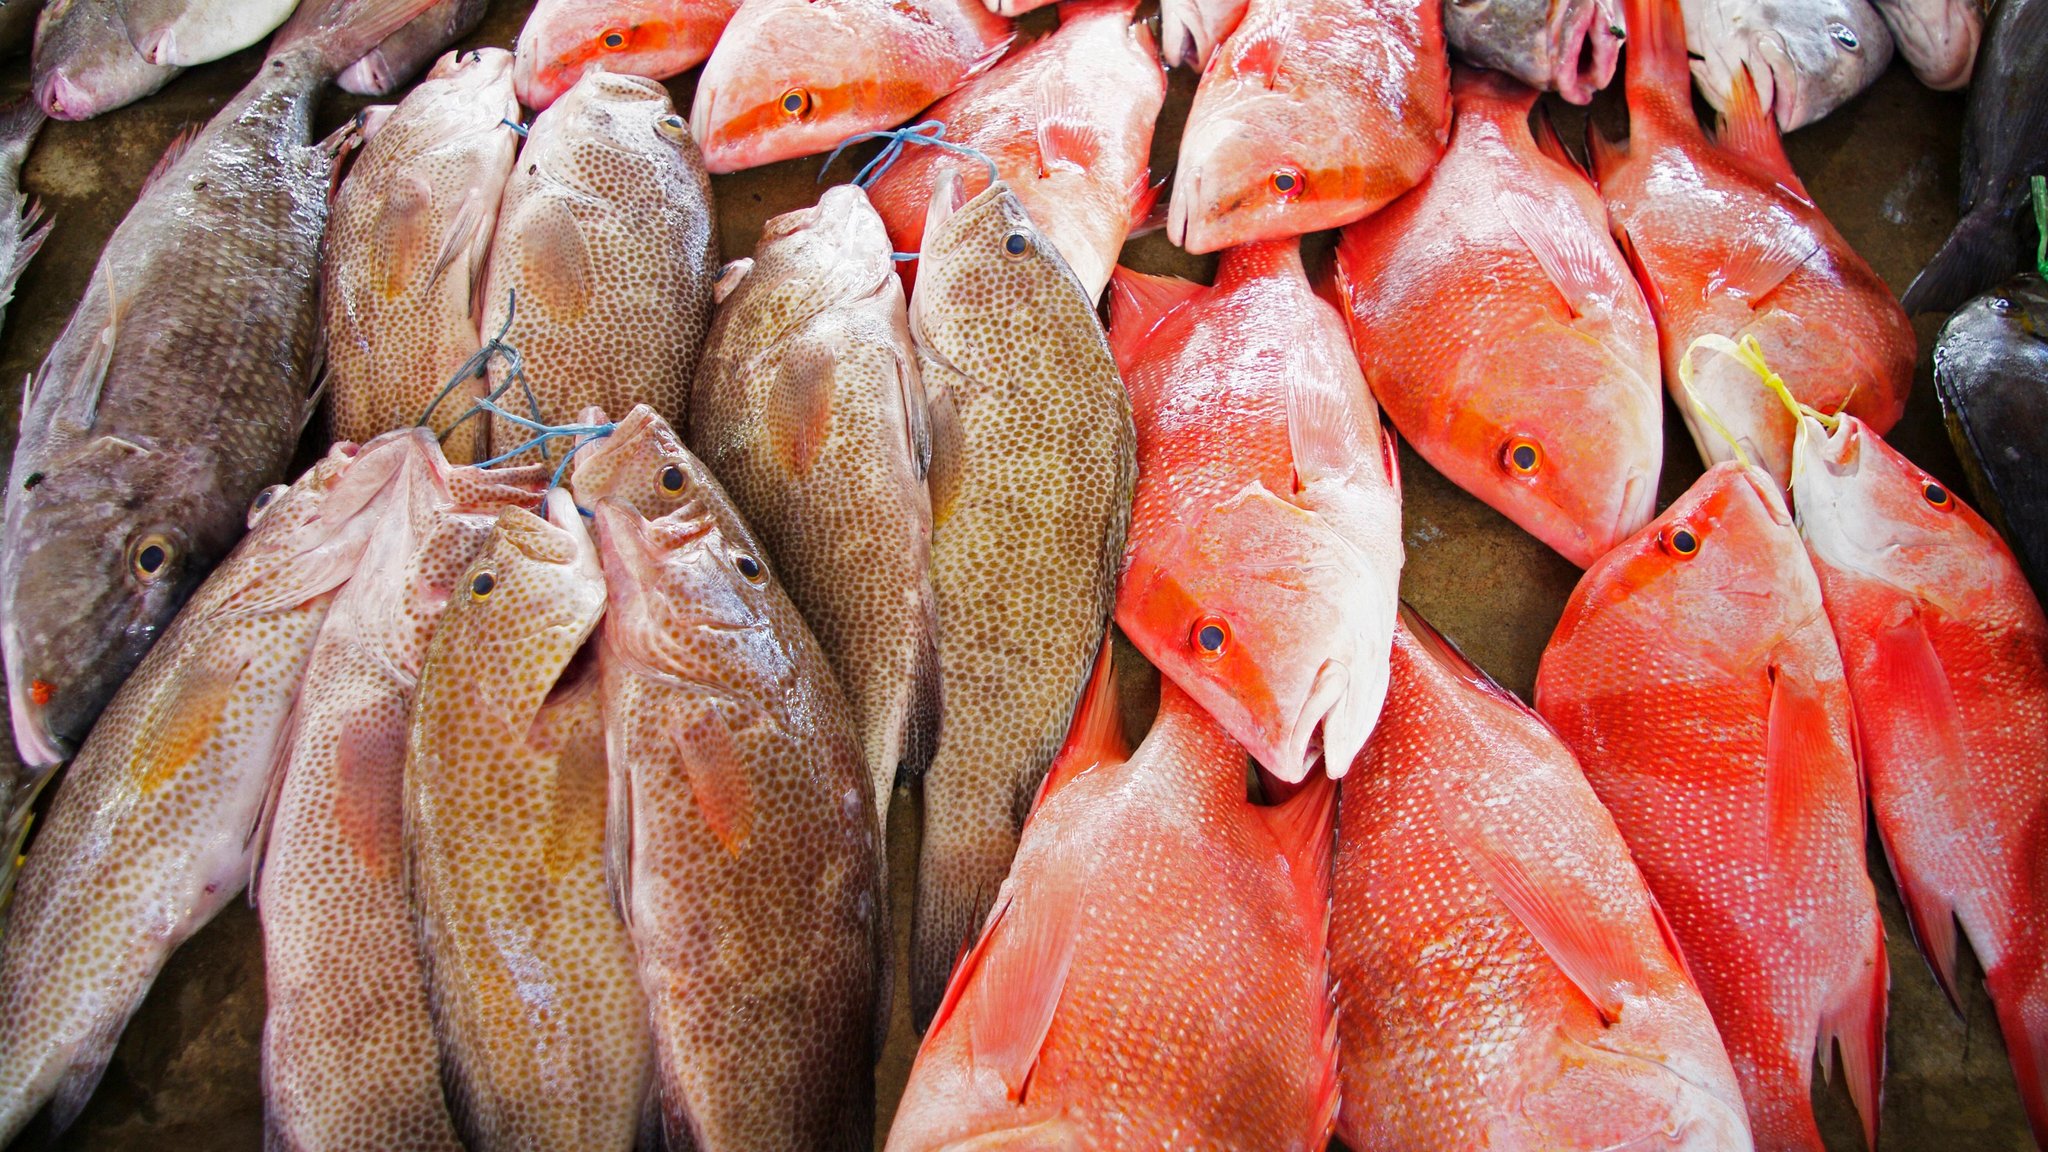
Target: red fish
{"x":1946,"y":651}
{"x":653,"y":38}
{"x":1264,"y":563}
{"x":1153,"y":973}
{"x":1502,"y":331}
{"x":1726,"y":242}
{"x":1696,"y":678}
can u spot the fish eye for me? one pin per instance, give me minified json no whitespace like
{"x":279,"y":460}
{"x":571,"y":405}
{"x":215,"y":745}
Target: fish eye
{"x":672,"y":480}
{"x":795,"y":102}
{"x":1016,"y":244}
{"x":1936,"y":495}
{"x":482,"y":585}
{"x":1210,"y":635}
{"x":614,"y":39}
{"x":151,"y":559}
{"x":748,"y":566}
{"x":264,"y":501}
{"x":1680,"y":541}
{"x":1287,"y":182}
{"x":1844,"y":35}
{"x":1522,"y":456}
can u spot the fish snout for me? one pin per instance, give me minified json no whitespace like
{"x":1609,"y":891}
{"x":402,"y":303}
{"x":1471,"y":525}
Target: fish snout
{"x":28,"y":707}
{"x":1182,"y":38}
{"x":1587,"y":52}
{"x":64,"y":98}
{"x":370,"y":76}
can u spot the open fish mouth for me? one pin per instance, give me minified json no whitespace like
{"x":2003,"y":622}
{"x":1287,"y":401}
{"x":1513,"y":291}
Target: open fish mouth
{"x":1327,"y":731}
{"x":40,"y":747}
{"x":1588,"y":49}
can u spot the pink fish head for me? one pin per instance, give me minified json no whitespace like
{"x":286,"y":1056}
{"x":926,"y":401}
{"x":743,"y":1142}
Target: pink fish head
{"x":653,"y":38}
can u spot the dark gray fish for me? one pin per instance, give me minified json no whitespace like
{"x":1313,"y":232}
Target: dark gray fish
{"x":84,"y":64}
{"x":393,"y":64}
{"x":17,"y":24}
{"x":2005,"y":141}
{"x":22,"y":227}
{"x":174,"y":395}
{"x":1564,"y":46}
{"x":1991,"y":372}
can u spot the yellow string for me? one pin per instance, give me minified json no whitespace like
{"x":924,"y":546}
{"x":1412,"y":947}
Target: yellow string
{"x":1750,"y":354}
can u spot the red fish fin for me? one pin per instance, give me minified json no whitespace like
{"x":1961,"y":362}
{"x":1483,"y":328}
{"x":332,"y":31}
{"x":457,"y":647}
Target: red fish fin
{"x":1325,"y":428}
{"x":802,"y":416}
{"x":1603,"y":155}
{"x":1855,"y":1023}
{"x":1651,"y":292}
{"x":718,"y":777}
{"x":1796,"y":748}
{"x":1755,"y":269}
{"x":1748,"y":129}
{"x":1566,"y":247}
{"x":1456,"y":662}
{"x":1670,"y":935}
{"x":1138,"y":301}
{"x":1066,"y":139}
{"x":987,"y":60}
{"x":2021,"y":1017}
{"x":1548,"y":143}
{"x":1304,"y":827}
{"x":180,"y":144}
{"x":1931,"y":915}
{"x":1147,"y":214}
{"x":1096,"y":735}
{"x":1022,"y":973}
{"x":967,"y":963}
{"x":1258,"y":54}
{"x":1656,"y":59}
{"x":1329,"y":1086}
{"x":1390,"y":456}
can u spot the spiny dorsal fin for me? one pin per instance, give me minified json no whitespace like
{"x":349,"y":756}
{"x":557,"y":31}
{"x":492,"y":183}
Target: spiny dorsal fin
{"x":1748,"y":129}
{"x":180,"y":144}
{"x":1138,"y":301}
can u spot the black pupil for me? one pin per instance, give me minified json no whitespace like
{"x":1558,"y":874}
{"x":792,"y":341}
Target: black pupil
{"x":1284,"y":181}
{"x":263,"y":499}
{"x":483,"y":584}
{"x":1015,"y":244}
{"x":748,"y":566}
{"x":672,"y":479}
{"x":1525,"y":457}
{"x":794,"y":102}
{"x":151,"y":558}
{"x":1210,"y":638}
{"x":1936,"y":494}
{"x":614,"y":40}
{"x":1684,"y":541}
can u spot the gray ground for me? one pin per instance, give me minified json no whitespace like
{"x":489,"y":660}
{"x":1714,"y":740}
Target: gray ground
{"x":1884,"y":168}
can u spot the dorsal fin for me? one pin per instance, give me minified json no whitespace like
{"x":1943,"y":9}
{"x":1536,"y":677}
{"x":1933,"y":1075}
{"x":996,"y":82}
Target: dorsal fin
{"x":180,"y":144}
{"x":1096,"y":735}
{"x":1303,"y":828}
{"x":1066,"y":137}
{"x":1748,"y":130}
{"x":1603,"y":156}
{"x":1548,"y":143}
{"x":1257,"y":55}
{"x":1138,"y":301}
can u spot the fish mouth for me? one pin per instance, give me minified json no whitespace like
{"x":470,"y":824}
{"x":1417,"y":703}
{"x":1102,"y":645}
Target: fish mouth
{"x":1588,"y":48}
{"x":159,"y":46}
{"x":1178,"y":208}
{"x":64,"y":98}
{"x":1324,"y":730}
{"x":39,"y":745}
{"x":1183,"y":37}
{"x":370,"y":76}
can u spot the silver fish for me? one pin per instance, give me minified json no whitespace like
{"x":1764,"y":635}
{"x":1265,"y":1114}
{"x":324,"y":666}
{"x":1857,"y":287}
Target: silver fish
{"x":392,"y":64}
{"x":83,"y":63}
{"x":188,"y":32}
{"x":1564,"y":46}
{"x":1807,"y":57}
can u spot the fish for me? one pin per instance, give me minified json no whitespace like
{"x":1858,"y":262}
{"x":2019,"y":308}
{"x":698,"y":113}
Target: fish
{"x":601,"y":270}
{"x":1504,"y":978}
{"x":1312,"y":114}
{"x":745,"y":856}
{"x":349,"y":1057}
{"x":1991,"y":373}
{"x":1804,"y":57}
{"x":1033,"y":462}
{"x":17,"y":24}
{"x":653,"y":38}
{"x":156,"y":825}
{"x":23,"y":227}
{"x":530,"y":975}
{"x":1569,"y":47}
{"x":2005,"y":141}
{"x":403,"y":261}
{"x":1938,"y":38}
{"x":1503,"y":332}
{"x":792,"y":78}
{"x":182,"y":33}
{"x":1721,"y":741}
{"x":174,"y":395}
{"x":393,"y":64}
{"x":1726,"y":242}
{"x":1946,"y":652}
{"x":83,"y":64}
{"x":1154,"y":972}
{"x":1265,"y":554}
{"x":1067,"y":121}
{"x":808,"y":404}
{"x":1189,"y":30}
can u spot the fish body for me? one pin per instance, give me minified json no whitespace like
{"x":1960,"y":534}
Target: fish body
{"x":349,"y":1058}
{"x":403,"y":54}
{"x":746,"y":856}
{"x":529,"y":972}
{"x":83,"y":63}
{"x":791,"y":78}
{"x":2005,"y":143}
{"x":1031,"y":476}
{"x":22,"y":225}
{"x":1721,"y":741}
{"x":1504,"y":334}
{"x":155,"y":826}
{"x":809,"y":406}
{"x":604,"y":257}
{"x":652,"y":38}
{"x":1991,"y":372}
{"x":1938,"y":38}
{"x":174,"y":395}
{"x":1946,"y":652}
{"x":1527,"y":995}
{"x":1726,"y":242}
{"x":1569,"y":47}
{"x":1153,"y":973}
{"x":1189,"y":30}
{"x":182,"y":33}
{"x":1312,"y":114}
{"x":404,"y":257}
{"x":1265,"y":551}
{"x":1068,"y":121}
{"x":1805,"y":57}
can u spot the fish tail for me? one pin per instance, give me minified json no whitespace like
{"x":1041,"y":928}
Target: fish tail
{"x":969,"y":841}
{"x":2019,"y":993}
{"x":337,"y":33}
{"x":1657,"y":64}
{"x":1855,"y":1022}
{"x":1978,"y":254}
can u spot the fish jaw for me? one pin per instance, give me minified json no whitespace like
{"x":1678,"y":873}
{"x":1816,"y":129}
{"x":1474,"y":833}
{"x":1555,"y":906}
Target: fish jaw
{"x":1938,"y":38}
{"x":1588,"y":46}
{"x":1803,"y":69}
{"x":1189,"y":30}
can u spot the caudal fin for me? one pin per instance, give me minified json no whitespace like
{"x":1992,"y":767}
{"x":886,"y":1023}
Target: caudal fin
{"x":337,"y":33}
{"x":1855,"y":1022}
{"x":1978,"y":254}
{"x":2023,"y":1018}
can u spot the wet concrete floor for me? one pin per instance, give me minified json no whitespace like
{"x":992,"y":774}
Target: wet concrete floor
{"x":185,"y":1076}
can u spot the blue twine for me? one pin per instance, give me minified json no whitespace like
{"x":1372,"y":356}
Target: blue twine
{"x":516,"y":126}
{"x":931,"y":133}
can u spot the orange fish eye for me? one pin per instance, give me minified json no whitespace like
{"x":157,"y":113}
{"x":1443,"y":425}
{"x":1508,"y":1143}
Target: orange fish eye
{"x":1287,"y":182}
{"x":614,"y":38}
{"x":795,"y":102}
{"x":151,"y":559}
{"x":1937,"y":495}
{"x":1522,"y":456}
{"x":1210,"y":636}
{"x":1680,"y":541}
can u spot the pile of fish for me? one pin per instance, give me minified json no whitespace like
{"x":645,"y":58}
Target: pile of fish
{"x":553,"y":718}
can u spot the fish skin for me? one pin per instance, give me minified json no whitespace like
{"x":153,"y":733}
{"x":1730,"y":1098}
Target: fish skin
{"x":1155,"y":964}
{"x":808,"y":405}
{"x":1462,"y":1027}
{"x":1190,"y":30}
{"x":1068,"y":121}
{"x":83,"y":63}
{"x":1946,"y":652}
{"x":175,"y":393}
{"x":745,"y":855}
{"x":1293,"y":549}
{"x":1805,"y":57}
{"x":403,"y":260}
{"x":23,"y":227}
{"x":1725,"y":241}
{"x":606,"y":238}
{"x":154,"y":828}
{"x":2005,"y":141}
{"x":1569,"y":47}
{"x":1475,"y":341}
{"x":393,"y":64}
{"x":859,"y":65}
{"x":17,"y":24}
{"x":1938,"y":38}
{"x":349,"y":1057}
{"x":1032,"y":469}
{"x":183,"y":33}
{"x":1722,"y":744}
{"x":1354,"y":103}
{"x":1991,"y":372}
{"x":505,"y":781}
{"x":657,"y":39}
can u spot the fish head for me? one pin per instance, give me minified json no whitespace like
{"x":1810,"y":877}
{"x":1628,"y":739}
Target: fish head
{"x":563,"y":39}
{"x":1569,"y":47}
{"x":691,"y":597}
{"x":81,"y":66}
{"x":479,"y":73}
{"x":834,"y":253}
{"x":188,"y":32}
{"x":604,"y":121}
{"x":1806,"y":59}
{"x":641,"y":464}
